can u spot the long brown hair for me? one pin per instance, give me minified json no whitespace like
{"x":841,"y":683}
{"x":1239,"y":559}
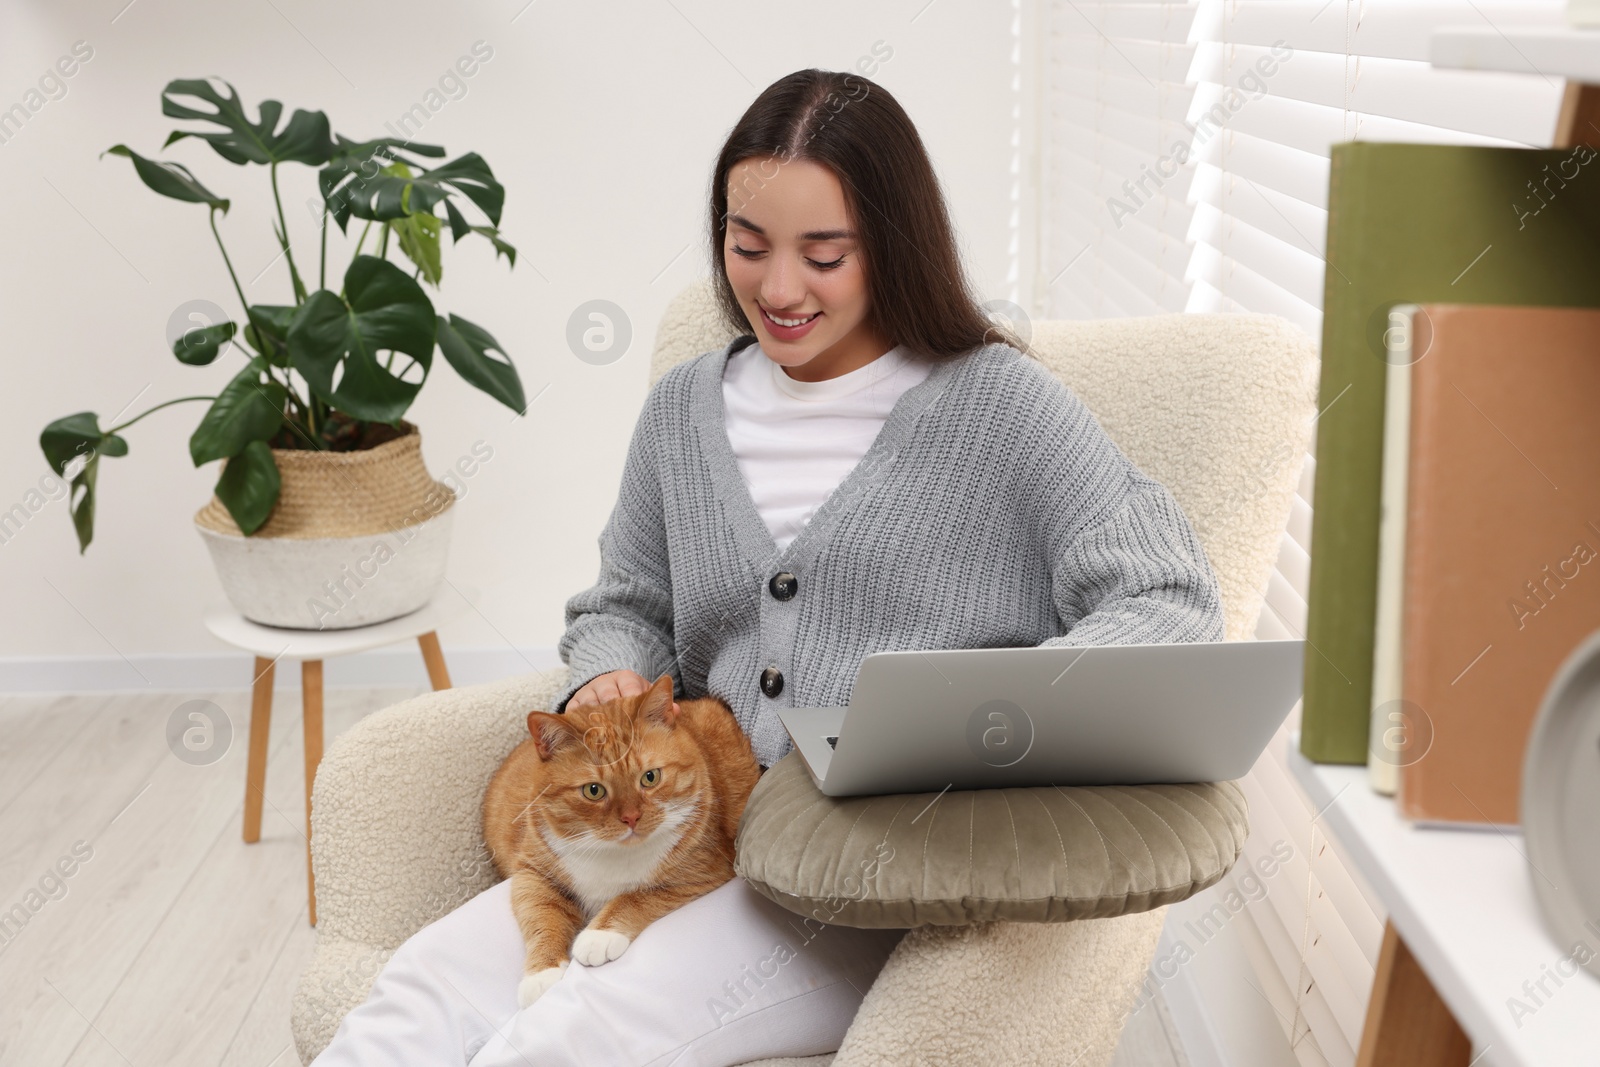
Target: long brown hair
{"x":918,"y":294}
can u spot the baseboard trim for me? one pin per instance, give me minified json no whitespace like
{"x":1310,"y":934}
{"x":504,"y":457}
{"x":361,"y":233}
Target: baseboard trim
{"x":222,"y":671}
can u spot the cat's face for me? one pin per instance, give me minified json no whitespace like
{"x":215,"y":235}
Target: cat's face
{"x":616,"y":775}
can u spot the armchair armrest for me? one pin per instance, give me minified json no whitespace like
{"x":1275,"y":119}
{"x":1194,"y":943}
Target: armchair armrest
{"x":1004,"y":992}
{"x":397,"y":834}
{"x":396,"y":811}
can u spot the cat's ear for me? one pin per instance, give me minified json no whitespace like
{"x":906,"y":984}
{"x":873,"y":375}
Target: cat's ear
{"x":658,"y":704}
{"x":551,"y":733}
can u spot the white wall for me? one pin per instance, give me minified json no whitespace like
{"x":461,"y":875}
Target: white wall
{"x":602,"y":121}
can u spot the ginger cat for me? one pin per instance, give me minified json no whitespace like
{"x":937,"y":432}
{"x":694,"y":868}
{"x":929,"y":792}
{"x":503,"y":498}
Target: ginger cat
{"x":610,"y":816}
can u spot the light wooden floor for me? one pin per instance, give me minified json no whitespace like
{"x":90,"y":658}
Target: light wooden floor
{"x":174,"y":943}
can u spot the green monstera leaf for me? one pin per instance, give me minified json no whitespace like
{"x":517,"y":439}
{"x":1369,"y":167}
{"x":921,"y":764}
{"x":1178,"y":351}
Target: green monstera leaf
{"x":249,"y":408}
{"x":169,"y":179}
{"x":354,"y":161}
{"x":249,"y":486}
{"x":268,"y":331}
{"x":335,"y":339}
{"x":467,"y":346}
{"x":369,"y":192}
{"x":459,"y":228}
{"x":200,"y":346}
{"x":305,"y":139}
{"x":69,"y":439}
{"x":419,"y":237}
{"x":419,"y":240}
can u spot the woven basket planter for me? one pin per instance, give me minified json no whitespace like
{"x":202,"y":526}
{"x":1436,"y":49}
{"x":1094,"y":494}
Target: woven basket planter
{"x":355,"y":538}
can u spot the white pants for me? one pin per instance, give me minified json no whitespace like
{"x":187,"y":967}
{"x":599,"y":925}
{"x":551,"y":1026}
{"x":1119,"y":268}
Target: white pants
{"x":727,"y":978}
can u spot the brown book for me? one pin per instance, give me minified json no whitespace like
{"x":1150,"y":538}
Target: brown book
{"x":1502,"y":553}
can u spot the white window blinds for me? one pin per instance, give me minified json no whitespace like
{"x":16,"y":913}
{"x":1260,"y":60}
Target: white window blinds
{"x":1186,"y":169}
{"x":1118,"y":97}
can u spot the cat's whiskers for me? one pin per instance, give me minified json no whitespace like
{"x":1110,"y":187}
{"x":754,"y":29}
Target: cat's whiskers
{"x":584,"y":842}
{"x":588,"y":842}
{"x":598,"y":868}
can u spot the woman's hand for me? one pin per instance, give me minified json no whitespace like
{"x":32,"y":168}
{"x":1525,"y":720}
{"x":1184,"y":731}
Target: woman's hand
{"x":610,"y":686}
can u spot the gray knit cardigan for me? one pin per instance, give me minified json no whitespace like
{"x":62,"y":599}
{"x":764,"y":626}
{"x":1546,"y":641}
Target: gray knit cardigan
{"x":991,"y":511}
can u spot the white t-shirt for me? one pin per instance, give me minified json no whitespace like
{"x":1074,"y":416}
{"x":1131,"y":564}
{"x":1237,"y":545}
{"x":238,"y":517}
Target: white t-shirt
{"x":796,"y":441}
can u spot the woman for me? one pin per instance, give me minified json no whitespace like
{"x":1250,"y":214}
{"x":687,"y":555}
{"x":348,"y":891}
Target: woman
{"x":865,"y":468}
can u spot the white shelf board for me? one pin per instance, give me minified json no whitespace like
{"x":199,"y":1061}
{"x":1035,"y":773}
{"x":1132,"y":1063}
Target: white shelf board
{"x":1553,"y":51}
{"x":1462,"y":900}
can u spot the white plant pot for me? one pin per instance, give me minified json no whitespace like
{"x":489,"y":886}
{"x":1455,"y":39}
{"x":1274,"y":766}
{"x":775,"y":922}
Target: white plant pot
{"x":354,"y":538}
{"x":332,"y":583}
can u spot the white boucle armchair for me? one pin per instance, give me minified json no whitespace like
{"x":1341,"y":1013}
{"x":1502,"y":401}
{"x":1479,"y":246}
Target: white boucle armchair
{"x":1217,"y":407}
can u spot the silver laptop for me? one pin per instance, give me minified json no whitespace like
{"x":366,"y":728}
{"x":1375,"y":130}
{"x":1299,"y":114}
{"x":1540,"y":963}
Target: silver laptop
{"x":1097,"y":715}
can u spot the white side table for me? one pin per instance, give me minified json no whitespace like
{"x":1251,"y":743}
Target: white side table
{"x":311,"y":647}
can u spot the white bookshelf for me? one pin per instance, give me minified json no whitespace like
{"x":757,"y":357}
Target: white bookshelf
{"x":1463,"y":902}
{"x":1551,"y":52}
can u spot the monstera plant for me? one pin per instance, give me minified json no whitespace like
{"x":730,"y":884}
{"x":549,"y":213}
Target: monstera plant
{"x":335,"y":369}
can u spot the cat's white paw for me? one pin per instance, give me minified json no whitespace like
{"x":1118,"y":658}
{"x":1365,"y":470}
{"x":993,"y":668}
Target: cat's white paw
{"x":532,"y":986}
{"x":593,"y":947}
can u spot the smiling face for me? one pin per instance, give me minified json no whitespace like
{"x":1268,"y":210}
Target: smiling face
{"x":795,"y":263}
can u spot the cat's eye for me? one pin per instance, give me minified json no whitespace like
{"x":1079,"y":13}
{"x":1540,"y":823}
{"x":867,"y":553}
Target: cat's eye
{"x":650,"y":777}
{"x":594,"y":790}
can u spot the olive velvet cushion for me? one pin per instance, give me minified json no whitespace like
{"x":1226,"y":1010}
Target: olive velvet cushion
{"x":1044,"y":854}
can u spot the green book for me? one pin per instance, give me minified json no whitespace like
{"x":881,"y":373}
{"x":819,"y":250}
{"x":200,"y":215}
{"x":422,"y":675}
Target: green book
{"x":1410,"y":224}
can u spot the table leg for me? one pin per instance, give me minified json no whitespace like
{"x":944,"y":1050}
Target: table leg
{"x":255,"y":778}
{"x":433,"y":656}
{"x":1580,"y":106}
{"x":1407,"y":1024}
{"x":311,"y":713}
